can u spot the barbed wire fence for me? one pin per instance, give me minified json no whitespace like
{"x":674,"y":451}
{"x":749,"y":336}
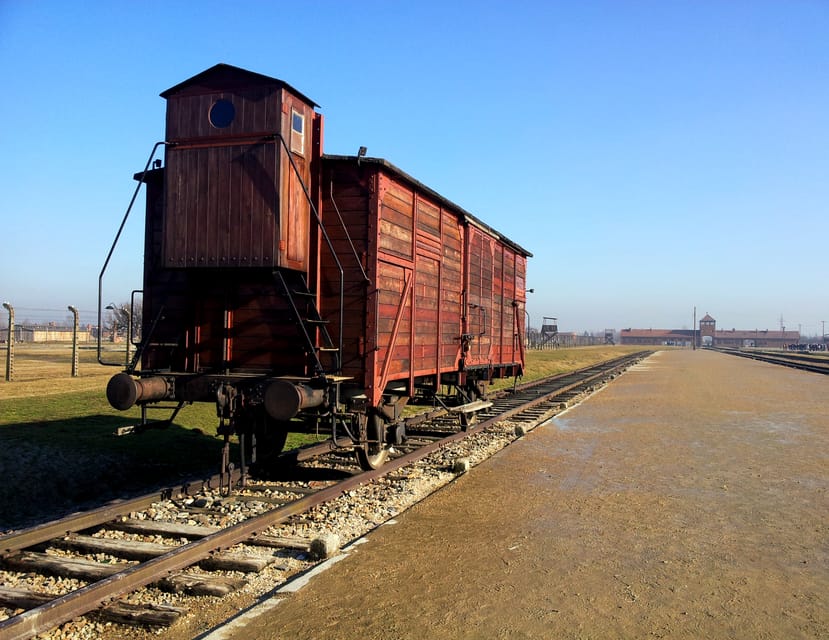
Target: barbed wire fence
{"x":56,"y":326}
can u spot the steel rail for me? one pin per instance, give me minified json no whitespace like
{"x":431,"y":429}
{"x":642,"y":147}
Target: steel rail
{"x":92,"y":596}
{"x":782,"y":359}
{"x":18,"y":540}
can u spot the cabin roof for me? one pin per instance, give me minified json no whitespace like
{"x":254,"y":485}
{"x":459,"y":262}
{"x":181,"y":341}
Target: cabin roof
{"x":226,"y":77}
{"x":388,"y":166}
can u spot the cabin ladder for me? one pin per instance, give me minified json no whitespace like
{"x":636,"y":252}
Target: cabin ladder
{"x":313,"y":329}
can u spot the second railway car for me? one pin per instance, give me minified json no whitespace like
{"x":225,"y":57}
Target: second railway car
{"x":300,"y":291}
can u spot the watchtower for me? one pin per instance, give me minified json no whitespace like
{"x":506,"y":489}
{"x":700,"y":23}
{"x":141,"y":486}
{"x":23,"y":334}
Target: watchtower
{"x":707,"y":330}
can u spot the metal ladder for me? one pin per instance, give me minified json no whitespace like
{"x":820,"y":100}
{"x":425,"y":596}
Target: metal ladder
{"x":307,"y":317}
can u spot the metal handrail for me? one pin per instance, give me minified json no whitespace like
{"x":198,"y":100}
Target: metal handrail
{"x":327,"y":238}
{"x":329,"y":243}
{"x":112,"y":249}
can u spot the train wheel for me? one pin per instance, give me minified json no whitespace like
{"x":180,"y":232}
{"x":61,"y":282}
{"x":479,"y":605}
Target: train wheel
{"x":271,"y":436}
{"x":373,"y":454}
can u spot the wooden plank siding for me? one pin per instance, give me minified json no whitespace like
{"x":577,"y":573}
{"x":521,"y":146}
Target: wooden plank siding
{"x":496,"y":282}
{"x":223,"y":207}
{"x":433,"y":276}
{"x":189,"y":336}
{"x":348,"y":227}
{"x":452,"y":283}
{"x":479,"y":288}
{"x":257,"y":110}
{"x":233,"y":198}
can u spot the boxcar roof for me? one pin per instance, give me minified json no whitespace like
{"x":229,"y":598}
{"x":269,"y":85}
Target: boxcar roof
{"x":222,"y":77}
{"x":388,"y":166}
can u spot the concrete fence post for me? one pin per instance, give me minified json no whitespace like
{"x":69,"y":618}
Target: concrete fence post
{"x":74,"y":342}
{"x":10,"y":344}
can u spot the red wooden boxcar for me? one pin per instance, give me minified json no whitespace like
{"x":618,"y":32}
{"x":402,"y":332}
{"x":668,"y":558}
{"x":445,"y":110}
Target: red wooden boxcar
{"x":443,"y":296}
{"x":303,"y":291}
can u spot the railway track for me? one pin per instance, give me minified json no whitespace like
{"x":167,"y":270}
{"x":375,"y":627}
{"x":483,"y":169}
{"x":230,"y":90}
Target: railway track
{"x":188,"y":539}
{"x":802,"y":361}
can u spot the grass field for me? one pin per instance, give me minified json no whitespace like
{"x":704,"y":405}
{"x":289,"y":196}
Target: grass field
{"x":58,"y":442}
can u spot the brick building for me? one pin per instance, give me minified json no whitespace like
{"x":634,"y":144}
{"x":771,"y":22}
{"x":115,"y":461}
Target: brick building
{"x":709,"y":336}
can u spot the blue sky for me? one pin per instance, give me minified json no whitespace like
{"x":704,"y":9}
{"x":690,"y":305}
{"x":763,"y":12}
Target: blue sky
{"x":653,"y":155}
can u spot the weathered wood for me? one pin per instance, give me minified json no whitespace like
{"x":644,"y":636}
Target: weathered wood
{"x":200,"y":584}
{"x":145,"y":614}
{"x":454,"y":264}
{"x":169,"y":529}
{"x":280,"y":542}
{"x":77,"y":568}
{"x":320,"y":547}
{"x":137,"y":550}
{"x":205,"y":584}
{"x":236,"y":561}
{"x":129,"y":549}
{"x":471,"y":407}
{"x":22,"y":598}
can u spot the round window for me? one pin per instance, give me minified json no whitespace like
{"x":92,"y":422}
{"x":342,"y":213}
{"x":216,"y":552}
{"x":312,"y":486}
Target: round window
{"x":222,"y":113}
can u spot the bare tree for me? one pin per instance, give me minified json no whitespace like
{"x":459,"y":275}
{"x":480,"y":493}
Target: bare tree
{"x":121,"y":320}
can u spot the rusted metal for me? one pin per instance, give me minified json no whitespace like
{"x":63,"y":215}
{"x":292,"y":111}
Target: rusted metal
{"x":12,"y":542}
{"x":793,"y":360}
{"x":123,"y":391}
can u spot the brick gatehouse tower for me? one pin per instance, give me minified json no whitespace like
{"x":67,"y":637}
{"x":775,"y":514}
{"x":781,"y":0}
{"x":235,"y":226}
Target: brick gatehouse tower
{"x":707,"y":331}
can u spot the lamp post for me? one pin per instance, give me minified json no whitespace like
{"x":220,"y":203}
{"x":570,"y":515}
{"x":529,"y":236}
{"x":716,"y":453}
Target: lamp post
{"x":129,"y":338}
{"x":527,"y":332}
{"x":112,"y":307}
{"x":74,"y":311}
{"x":10,"y":344}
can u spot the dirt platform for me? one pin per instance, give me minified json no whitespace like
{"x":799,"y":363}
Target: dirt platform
{"x":688,"y":499}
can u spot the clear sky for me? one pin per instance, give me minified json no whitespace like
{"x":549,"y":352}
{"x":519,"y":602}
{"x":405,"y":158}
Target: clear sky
{"x":653,"y":155}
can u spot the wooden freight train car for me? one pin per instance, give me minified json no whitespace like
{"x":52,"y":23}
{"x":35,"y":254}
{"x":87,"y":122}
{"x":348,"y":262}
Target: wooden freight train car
{"x":435,"y":297}
{"x":302,"y":291}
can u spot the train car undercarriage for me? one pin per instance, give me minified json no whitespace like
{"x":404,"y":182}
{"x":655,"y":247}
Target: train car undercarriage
{"x":261,"y":411}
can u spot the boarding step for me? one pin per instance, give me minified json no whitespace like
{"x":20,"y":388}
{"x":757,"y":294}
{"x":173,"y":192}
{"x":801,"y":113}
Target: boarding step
{"x":471,"y":407}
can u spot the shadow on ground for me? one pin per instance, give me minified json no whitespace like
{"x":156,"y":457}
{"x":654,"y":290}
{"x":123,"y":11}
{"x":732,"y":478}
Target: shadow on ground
{"x":49,"y":469}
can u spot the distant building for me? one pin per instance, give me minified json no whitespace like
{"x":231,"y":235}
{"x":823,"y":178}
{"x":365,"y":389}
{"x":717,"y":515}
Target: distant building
{"x":664,"y":337}
{"x":49,"y":333}
{"x":709,"y":336}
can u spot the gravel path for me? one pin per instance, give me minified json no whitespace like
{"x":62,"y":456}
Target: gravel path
{"x":688,"y":499}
